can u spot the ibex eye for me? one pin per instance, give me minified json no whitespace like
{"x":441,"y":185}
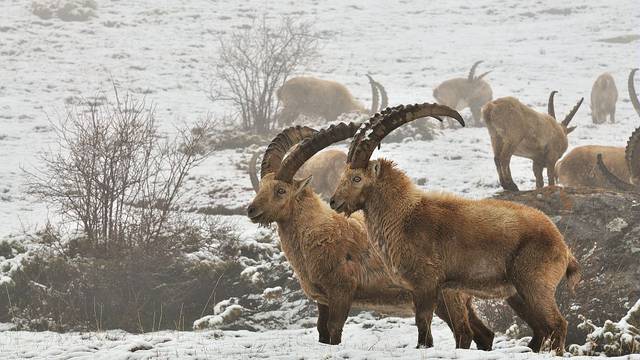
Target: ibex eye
{"x":281,"y":191}
{"x":356,"y":179}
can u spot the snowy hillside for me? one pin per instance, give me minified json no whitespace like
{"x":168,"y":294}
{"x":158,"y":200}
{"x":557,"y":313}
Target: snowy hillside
{"x":166,"y":51}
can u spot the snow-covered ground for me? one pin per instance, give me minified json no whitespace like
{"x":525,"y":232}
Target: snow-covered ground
{"x":166,"y":50}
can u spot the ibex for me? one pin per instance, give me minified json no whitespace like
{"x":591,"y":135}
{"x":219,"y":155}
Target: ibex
{"x":517,"y":129}
{"x":580,"y":166}
{"x":331,"y":255}
{"x":604,"y":95}
{"x":323,"y":98}
{"x":325,"y":169}
{"x":437,"y":242}
{"x":631,"y":153}
{"x":460,"y":93}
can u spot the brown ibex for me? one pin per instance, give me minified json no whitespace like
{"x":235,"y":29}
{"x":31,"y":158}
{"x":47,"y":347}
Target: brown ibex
{"x":325,"y":169}
{"x":580,"y":166}
{"x":331,"y":255}
{"x":631,"y":152}
{"x":459,"y":93}
{"x":604,"y":95}
{"x":437,"y":242}
{"x":517,"y":129}
{"x":305,"y":95}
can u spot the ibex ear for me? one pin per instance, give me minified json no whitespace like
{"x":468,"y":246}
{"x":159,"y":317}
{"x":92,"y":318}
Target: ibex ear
{"x":301,"y":184}
{"x":570,"y":129}
{"x":375,"y":168}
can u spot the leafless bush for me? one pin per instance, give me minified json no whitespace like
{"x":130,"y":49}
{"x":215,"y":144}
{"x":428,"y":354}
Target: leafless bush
{"x":114,"y":175}
{"x":254,"y":62}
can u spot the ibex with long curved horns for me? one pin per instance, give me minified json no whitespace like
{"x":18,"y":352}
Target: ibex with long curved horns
{"x":331,"y":255}
{"x":305,"y":95}
{"x":459,"y":93}
{"x":436,"y":242}
{"x":604,"y":95}
{"x":517,"y":129}
{"x":631,"y":153}
{"x":580,"y":166}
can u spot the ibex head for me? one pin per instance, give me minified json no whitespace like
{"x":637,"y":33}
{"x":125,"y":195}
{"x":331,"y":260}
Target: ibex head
{"x":361,"y":174}
{"x":452,"y":92}
{"x":565,"y":123}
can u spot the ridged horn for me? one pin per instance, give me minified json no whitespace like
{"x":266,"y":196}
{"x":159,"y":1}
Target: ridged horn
{"x":373,"y":131}
{"x":383,"y":96}
{"x":612,"y":178}
{"x":572,"y":113}
{"x":551,"y":108}
{"x":311,"y":145}
{"x":253,"y":172}
{"x":632,"y":156}
{"x":272,"y":159}
{"x":375,"y":98}
{"x":482,"y":75}
{"x":472,"y":71}
{"x":633,"y":96}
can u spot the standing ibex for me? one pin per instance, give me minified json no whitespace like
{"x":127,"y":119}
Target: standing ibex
{"x":517,"y":129}
{"x":604,"y":95}
{"x":331,"y":255}
{"x":631,"y":153}
{"x":325,"y":169}
{"x":580,"y":167}
{"x":327,"y":99}
{"x":471,"y":92}
{"x":436,"y":241}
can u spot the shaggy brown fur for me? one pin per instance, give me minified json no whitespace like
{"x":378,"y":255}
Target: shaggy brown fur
{"x":325,"y":169}
{"x":460,"y":93}
{"x":516,"y":129}
{"x":317,"y":97}
{"x":580,"y":168}
{"x":604,"y":95}
{"x":436,"y":241}
{"x":338,"y":267}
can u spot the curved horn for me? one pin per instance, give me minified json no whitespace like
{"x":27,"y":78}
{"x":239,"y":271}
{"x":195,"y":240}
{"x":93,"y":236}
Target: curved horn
{"x":383,"y":95}
{"x":279,"y":146}
{"x":472,"y":71}
{"x":551,"y":108}
{"x":374,"y":94}
{"x":631,"y":153}
{"x":633,"y":96}
{"x":373,"y":131}
{"x":612,"y":178}
{"x":310,"y":146}
{"x":572,"y":113}
{"x":253,"y":172}
{"x":482,"y":75}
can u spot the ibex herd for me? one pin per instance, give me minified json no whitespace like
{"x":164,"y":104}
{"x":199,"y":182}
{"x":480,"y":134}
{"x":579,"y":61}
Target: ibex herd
{"x":384,"y":244}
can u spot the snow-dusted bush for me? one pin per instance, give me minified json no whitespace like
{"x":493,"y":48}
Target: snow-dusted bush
{"x":224,"y":313}
{"x":613,"y":338}
{"x":65,"y":10}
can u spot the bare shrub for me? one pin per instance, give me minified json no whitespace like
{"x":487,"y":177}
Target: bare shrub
{"x":114,"y":175}
{"x":254,"y":62}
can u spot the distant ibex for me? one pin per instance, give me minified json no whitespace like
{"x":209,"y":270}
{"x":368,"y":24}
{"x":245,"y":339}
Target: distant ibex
{"x":436,"y":242}
{"x":580,"y":166}
{"x":604,"y":95}
{"x":460,"y":93}
{"x":631,"y":153}
{"x":517,"y":129}
{"x":323,"y":98}
{"x":331,"y":255}
{"x":325,"y":169}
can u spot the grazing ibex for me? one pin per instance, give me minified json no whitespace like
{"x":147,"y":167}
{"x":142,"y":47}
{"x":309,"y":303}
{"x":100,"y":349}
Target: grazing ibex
{"x":604,"y":95}
{"x":471,"y":92}
{"x":631,"y":153}
{"x":331,"y":255}
{"x":580,"y":166}
{"x":517,"y":129}
{"x":323,"y":98}
{"x":325,"y":169}
{"x":437,"y":242}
